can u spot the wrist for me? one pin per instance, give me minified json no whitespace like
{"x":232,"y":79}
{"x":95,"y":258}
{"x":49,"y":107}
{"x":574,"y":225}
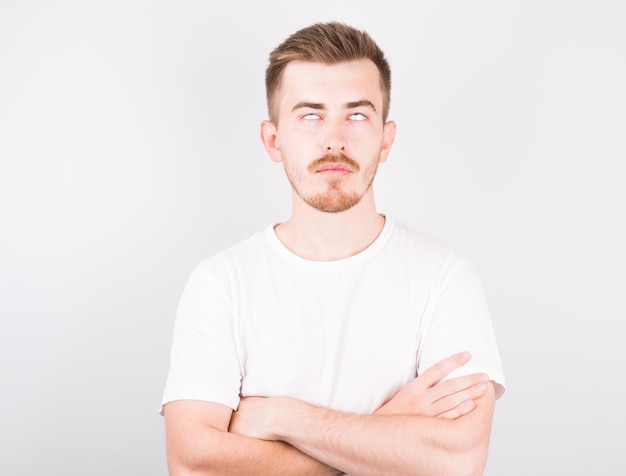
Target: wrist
{"x":287,"y":414}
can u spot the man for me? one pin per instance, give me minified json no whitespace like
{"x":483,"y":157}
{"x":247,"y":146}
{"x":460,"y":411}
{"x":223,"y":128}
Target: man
{"x":339,"y":341}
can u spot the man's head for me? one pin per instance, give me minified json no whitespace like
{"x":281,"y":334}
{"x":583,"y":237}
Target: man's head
{"x":326,"y":43}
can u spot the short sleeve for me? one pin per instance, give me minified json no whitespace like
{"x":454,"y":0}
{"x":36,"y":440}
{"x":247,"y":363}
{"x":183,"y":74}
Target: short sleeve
{"x":203,"y":360}
{"x":461,"y":321}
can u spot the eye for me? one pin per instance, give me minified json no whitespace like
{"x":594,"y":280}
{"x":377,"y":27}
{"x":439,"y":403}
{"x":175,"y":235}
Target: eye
{"x":311,"y":116}
{"x":357,"y":116}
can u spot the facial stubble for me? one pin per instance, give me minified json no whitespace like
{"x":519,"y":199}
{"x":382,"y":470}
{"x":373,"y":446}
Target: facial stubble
{"x":335,"y":199}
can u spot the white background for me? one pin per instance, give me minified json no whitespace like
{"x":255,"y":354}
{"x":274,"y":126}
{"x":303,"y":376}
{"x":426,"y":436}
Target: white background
{"x":129,"y":152}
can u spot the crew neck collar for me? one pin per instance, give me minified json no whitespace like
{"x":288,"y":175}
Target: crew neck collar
{"x":367,"y":253}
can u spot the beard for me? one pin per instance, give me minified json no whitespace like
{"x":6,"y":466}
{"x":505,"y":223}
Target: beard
{"x":334,"y":199}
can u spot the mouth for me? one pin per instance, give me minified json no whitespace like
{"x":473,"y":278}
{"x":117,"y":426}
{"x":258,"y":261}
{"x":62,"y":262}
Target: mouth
{"x":334,"y":166}
{"x":334,"y":170}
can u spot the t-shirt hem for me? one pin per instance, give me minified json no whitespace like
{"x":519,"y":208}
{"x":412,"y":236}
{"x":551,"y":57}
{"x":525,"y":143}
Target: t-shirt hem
{"x":211,"y":396}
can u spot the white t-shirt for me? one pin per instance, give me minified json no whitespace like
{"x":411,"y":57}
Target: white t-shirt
{"x":258,"y":320}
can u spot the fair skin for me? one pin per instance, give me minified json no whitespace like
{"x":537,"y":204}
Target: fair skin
{"x":429,"y":426}
{"x":330,"y":109}
{"x":200,"y":442}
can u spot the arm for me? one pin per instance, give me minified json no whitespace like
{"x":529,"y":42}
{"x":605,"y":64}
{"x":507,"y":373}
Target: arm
{"x":382,"y":444}
{"x":198,"y":443}
{"x":429,"y":427}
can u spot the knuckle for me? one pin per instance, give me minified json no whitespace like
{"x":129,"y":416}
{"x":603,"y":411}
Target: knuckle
{"x":479,"y":389}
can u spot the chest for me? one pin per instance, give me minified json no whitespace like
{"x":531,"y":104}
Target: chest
{"x":348,"y":344}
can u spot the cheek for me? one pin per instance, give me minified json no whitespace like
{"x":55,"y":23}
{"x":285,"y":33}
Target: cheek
{"x":297,"y":146}
{"x":365,"y":135}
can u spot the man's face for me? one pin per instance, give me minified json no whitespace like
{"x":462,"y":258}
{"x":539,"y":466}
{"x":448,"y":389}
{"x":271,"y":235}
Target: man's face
{"x":330,"y":135}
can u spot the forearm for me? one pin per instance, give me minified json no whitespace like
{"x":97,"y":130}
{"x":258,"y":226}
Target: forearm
{"x":390,"y":445}
{"x":374,"y":445}
{"x":219,"y":453}
{"x":199,"y":443}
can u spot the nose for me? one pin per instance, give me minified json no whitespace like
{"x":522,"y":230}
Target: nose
{"x":335,"y":139}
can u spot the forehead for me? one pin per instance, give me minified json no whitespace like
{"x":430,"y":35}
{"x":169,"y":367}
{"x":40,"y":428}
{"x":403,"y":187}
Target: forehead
{"x":331,"y":83}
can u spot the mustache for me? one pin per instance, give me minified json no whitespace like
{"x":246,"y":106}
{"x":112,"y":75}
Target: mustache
{"x":334,"y":159}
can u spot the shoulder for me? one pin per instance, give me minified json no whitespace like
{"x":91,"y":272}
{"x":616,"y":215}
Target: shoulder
{"x":227,"y":264}
{"x":430,"y":260}
{"x":249,"y":248}
{"x":422,"y":246}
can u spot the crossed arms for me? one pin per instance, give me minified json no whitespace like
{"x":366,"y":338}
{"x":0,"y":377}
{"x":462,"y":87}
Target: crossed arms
{"x":428,"y":427}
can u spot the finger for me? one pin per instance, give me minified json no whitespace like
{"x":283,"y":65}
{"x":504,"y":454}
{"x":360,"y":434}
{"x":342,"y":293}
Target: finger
{"x":457,"y":384}
{"x":438,"y":371}
{"x":453,"y":401}
{"x":463,"y":409}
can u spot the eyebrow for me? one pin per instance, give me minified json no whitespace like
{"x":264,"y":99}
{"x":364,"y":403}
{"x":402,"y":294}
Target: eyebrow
{"x":308,"y":105}
{"x":348,"y":105}
{"x":361,"y":103}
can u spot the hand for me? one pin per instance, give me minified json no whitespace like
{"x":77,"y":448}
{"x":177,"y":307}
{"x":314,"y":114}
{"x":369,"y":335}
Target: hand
{"x":428,"y":396}
{"x":253,"y":418}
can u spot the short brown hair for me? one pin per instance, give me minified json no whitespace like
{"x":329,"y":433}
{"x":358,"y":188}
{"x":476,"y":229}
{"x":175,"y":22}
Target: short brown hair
{"x":327,"y":43}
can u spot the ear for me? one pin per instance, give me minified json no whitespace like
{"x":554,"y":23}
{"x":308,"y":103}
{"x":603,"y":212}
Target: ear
{"x":389,"y":134}
{"x":270,"y":140}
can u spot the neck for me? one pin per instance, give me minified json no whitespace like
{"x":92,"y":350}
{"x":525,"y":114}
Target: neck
{"x":321,"y":236}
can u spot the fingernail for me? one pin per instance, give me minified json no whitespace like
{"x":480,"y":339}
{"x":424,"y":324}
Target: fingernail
{"x":484,"y":378}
